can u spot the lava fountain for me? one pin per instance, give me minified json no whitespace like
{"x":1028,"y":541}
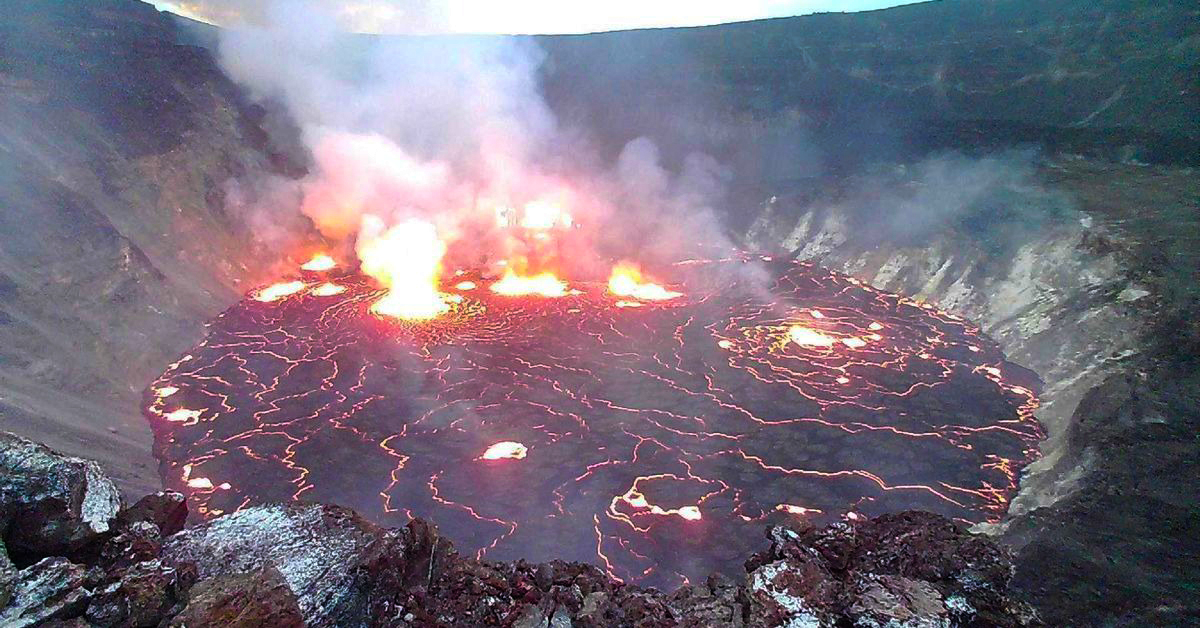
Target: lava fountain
{"x":407,"y":259}
{"x":545,"y":422}
{"x":627,"y":281}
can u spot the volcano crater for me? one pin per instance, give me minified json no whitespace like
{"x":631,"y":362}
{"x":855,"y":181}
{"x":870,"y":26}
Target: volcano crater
{"x":653,"y":438}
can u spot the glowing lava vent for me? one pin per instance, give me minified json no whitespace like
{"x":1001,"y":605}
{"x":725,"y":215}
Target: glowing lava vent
{"x":543,"y":284}
{"x":275,"y":292}
{"x":407,"y":260}
{"x":319,"y":263}
{"x":809,"y":337}
{"x":505,"y":449}
{"x":627,"y":281}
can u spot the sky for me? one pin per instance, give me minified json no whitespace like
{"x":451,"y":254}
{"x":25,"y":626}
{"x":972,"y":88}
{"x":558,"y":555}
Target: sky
{"x":518,"y":16}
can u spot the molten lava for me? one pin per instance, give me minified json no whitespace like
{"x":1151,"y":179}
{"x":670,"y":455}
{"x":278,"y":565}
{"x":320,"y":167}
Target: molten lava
{"x":544,"y":215}
{"x":627,"y":281}
{"x":277,"y":291}
{"x":656,"y":442}
{"x":544,"y":284}
{"x":407,"y":259}
{"x":809,"y":337}
{"x":505,"y":449}
{"x":328,"y":290}
{"x":319,"y":263}
{"x":793,"y":509}
{"x":182,"y":415}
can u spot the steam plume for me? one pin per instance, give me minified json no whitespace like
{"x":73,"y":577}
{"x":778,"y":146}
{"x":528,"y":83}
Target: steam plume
{"x":454,"y":131}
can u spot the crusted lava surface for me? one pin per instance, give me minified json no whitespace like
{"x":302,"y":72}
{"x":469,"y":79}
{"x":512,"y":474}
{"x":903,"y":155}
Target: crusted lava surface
{"x":305,"y":564}
{"x":650,"y":438}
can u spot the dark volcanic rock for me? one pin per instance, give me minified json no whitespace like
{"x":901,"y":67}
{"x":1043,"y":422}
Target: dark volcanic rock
{"x":792,"y":591}
{"x":315,"y":548}
{"x":8,"y":576}
{"x":51,"y":504}
{"x":167,"y":510}
{"x":53,"y":588}
{"x":145,"y":595}
{"x":1124,"y":547}
{"x":258,"y":598}
{"x":933,"y":548}
{"x":897,"y":601}
{"x":135,"y":543}
{"x":719,"y":602}
{"x":913,"y":568}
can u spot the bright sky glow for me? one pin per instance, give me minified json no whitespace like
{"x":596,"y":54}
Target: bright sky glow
{"x":520,"y":16}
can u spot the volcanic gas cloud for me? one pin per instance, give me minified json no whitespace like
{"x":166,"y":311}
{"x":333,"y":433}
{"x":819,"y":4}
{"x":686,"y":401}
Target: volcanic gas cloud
{"x":648,"y":426}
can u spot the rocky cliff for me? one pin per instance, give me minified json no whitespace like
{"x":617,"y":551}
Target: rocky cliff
{"x":806,"y":96}
{"x":1081,"y":282}
{"x":117,"y":234}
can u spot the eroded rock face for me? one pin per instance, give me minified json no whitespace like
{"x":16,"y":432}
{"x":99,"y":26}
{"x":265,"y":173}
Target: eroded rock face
{"x":314,"y":547}
{"x":51,"y":504}
{"x":145,"y":594}
{"x":121,"y":148}
{"x":257,"y":598}
{"x":53,"y":588}
{"x":907,"y":569}
{"x":1097,"y":295}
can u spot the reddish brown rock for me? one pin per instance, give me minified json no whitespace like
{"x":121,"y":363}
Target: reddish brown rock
{"x":245,"y":600}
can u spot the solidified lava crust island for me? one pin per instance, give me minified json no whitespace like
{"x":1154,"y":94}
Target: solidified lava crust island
{"x":655,"y":439}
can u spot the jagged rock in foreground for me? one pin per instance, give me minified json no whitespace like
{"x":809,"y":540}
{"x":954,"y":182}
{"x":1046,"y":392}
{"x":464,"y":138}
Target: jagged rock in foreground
{"x":51,"y":504}
{"x":319,"y":565}
{"x":258,"y":598}
{"x":53,"y":588}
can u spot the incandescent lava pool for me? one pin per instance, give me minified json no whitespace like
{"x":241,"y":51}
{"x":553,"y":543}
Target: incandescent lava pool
{"x":655,"y":439}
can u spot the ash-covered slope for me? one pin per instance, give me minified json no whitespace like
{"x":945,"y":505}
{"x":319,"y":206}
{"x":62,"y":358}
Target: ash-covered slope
{"x":116,"y":237}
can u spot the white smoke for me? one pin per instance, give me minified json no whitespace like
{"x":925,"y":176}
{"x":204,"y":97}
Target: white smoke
{"x":454,"y":131}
